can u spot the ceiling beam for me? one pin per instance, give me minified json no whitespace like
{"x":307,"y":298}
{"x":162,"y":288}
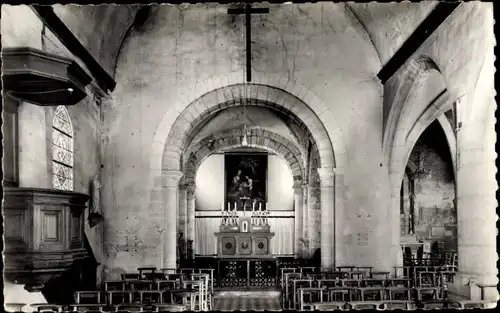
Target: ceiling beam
{"x":54,"y":23}
{"x":417,"y":38}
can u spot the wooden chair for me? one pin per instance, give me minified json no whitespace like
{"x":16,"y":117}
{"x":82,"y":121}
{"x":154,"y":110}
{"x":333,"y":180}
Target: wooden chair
{"x":287,"y":298}
{"x":382,"y":274}
{"x":399,"y":305}
{"x":475,"y":304}
{"x":154,"y":276}
{"x":428,"y":293}
{"x":143,"y":270}
{"x":373,"y":282}
{"x":164,"y":307}
{"x":210,"y":272}
{"x":194,"y":291}
{"x":140,"y":285}
{"x":296,"y":284}
{"x":150,"y":296}
{"x":345,"y":268}
{"x":87,"y":307}
{"x":169,"y":270}
{"x":88,"y":297}
{"x":282,"y":274}
{"x":427,"y":279}
{"x":356,"y":275}
{"x":365,"y":305}
{"x":45,"y":307}
{"x":340,"y":293}
{"x":114,"y":295}
{"x":175,"y":276}
{"x":350,"y":283}
{"x":115,"y":285}
{"x":129,"y":307}
{"x":377,"y":292}
{"x":399,"y":282}
{"x":307,"y":269}
{"x":437,"y":304}
{"x":207,"y":295}
{"x":398,"y":293}
{"x":312,"y":294}
{"x":131,"y":276}
{"x":328,"y":306}
{"x":367,"y":269}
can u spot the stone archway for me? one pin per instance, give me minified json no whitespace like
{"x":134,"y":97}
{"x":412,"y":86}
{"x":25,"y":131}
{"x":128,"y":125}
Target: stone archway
{"x":403,"y":131}
{"x":185,"y":117}
{"x":226,"y":141}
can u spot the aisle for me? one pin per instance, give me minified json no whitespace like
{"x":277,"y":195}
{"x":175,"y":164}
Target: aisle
{"x":247,"y":301}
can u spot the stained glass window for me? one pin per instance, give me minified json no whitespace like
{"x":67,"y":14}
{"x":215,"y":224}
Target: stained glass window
{"x":62,"y":150}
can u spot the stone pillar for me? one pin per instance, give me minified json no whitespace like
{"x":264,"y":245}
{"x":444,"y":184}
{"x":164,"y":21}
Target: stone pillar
{"x":182,"y":213}
{"x":190,"y":214}
{"x":406,"y":206}
{"x":476,"y":217}
{"x":299,"y":201}
{"x":305,"y":226}
{"x":327,"y":184}
{"x":171,"y":188}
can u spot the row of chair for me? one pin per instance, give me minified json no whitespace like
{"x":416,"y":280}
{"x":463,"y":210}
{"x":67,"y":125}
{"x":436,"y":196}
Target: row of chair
{"x":149,"y":286}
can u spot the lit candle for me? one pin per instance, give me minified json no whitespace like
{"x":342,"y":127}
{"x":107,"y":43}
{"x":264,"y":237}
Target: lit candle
{"x":260,"y":206}
{"x":234,"y":209}
{"x":253,"y":206}
{"x":229,"y":206}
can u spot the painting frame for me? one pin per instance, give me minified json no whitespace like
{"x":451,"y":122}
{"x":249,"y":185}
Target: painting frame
{"x":245,"y":180}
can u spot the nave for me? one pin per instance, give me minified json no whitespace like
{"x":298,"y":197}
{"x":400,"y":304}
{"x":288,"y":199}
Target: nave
{"x":264,"y":156}
{"x":302,"y":288}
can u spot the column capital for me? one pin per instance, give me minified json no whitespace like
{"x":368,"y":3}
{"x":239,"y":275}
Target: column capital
{"x":190,"y":191}
{"x":297,"y":189}
{"x":326,"y":176}
{"x":171,"y":178}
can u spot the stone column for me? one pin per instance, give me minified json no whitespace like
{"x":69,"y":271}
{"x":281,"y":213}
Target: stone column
{"x":182,"y":213}
{"x":171,"y":188}
{"x":327,"y":184}
{"x":406,"y":205}
{"x":476,"y":217}
{"x":305,"y":226}
{"x":190,"y":215}
{"x":299,"y":201}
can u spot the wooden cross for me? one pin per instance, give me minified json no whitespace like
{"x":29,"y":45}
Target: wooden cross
{"x":248,"y":11}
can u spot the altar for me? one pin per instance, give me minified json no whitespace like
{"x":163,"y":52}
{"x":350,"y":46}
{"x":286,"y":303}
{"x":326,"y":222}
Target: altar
{"x":244,"y":257}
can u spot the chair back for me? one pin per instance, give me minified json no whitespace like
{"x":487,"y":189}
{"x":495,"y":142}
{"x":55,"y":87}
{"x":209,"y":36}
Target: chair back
{"x":130,"y":276}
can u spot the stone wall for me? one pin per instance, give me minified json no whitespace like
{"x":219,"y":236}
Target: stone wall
{"x":35,"y":123}
{"x":186,"y":47}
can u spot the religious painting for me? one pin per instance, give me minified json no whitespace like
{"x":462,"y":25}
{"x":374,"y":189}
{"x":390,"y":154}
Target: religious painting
{"x":246,"y":177}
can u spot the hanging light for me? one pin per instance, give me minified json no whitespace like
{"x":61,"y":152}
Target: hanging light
{"x":244,"y":142}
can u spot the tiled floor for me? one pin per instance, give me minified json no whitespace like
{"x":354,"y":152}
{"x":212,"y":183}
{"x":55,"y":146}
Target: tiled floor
{"x":247,"y":301}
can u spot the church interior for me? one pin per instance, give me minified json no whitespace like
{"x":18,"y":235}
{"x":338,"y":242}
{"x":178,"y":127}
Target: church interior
{"x":249,"y":156}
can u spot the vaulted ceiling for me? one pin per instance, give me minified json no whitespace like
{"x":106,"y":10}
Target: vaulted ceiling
{"x":103,"y":28}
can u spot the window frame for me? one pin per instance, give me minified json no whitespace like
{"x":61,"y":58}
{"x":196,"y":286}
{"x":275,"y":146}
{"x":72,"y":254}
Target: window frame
{"x":56,"y":130}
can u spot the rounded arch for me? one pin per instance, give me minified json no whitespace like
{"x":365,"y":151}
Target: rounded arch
{"x":200,"y":110}
{"x":270,"y":87}
{"x":258,"y":138}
